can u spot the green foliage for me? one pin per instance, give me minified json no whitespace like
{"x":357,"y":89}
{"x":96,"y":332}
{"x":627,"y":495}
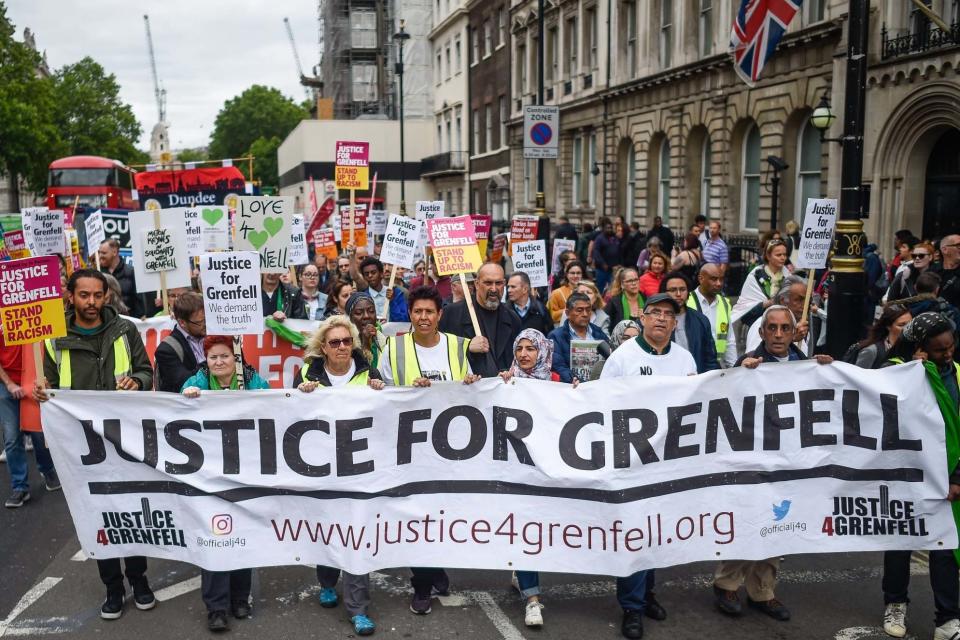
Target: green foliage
{"x":264,"y":152}
{"x":90,"y":115}
{"x":255,"y":117}
{"x":192,"y":155}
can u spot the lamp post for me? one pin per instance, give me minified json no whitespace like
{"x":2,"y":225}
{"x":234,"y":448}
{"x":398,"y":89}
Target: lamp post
{"x":401,"y":36}
{"x":777,"y":165}
{"x":845,"y":319}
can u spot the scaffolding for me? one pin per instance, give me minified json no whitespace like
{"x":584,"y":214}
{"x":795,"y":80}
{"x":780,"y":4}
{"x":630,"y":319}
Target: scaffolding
{"x":358,"y":56}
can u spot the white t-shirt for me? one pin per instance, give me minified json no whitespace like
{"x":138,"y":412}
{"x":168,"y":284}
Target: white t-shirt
{"x":630,"y":359}
{"x":338,"y":381}
{"x":434,"y":362}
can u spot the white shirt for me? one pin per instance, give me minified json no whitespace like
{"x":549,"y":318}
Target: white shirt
{"x":339,"y":381}
{"x":379,"y":299}
{"x":630,"y":359}
{"x":434,"y":362}
{"x":754,"y":339}
{"x":709,"y":309}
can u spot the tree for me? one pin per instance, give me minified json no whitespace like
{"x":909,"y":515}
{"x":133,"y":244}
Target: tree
{"x":90,"y":115}
{"x":192,"y":155}
{"x":259,"y":113}
{"x":264,"y":152}
{"x":29,"y":139}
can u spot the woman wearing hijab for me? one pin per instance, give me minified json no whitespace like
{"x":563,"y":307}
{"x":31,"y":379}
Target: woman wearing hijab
{"x":221,"y":589}
{"x":362,"y":312}
{"x":334,"y":359}
{"x":623,"y":331}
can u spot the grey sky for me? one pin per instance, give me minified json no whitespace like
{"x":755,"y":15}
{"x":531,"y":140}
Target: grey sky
{"x":208,"y":51}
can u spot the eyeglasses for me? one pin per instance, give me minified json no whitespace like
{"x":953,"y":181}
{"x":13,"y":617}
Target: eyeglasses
{"x":309,"y":275}
{"x":660,"y":313}
{"x":919,"y":256}
{"x":631,"y":280}
{"x":195,"y":323}
{"x":337,"y":342}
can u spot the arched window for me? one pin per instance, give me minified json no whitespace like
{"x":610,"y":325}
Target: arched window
{"x":706,"y":177}
{"x":809,"y":164}
{"x":663,"y":187}
{"x":750,"y":180}
{"x":629,"y":196}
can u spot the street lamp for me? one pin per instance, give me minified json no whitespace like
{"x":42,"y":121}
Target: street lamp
{"x":822,"y":118}
{"x":401,"y":36}
{"x":777,"y":165}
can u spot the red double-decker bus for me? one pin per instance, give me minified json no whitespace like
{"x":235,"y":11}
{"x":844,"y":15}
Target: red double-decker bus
{"x":99,"y":182}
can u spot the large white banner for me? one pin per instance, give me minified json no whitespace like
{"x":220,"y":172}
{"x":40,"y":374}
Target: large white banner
{"x":634,"y":473}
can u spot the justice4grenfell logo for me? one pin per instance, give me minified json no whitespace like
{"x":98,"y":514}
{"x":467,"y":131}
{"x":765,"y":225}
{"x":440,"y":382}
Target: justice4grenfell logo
{"x":875,"y":516}
{"x":780,"y":524}
{"x":146,"y":526}
{"x":221,"y":526}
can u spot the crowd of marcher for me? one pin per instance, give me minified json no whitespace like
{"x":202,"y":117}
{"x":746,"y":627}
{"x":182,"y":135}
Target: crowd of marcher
{"x":653,"y":304}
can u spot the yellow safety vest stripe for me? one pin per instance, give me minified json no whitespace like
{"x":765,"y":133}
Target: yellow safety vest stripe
{"x":405,"y":367}
{"x":723,"y":319}
{"x":61,"y":357}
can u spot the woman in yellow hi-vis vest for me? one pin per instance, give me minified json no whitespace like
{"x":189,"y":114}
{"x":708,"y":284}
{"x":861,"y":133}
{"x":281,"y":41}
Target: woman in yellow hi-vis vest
{"x":334,"y":359}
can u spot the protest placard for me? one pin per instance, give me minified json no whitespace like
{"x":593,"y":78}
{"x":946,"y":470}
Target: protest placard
{"x":352,"y":165}
{"x":31,"y":300}
{"x":16,"y":245}
{"x":400,"y":241}
{"x":263,"y":225}
{"x":214,"y":229}
{"x":523,"y":228}
{"x":93,"y":226}
{"x":559,"y":246}
{"x":583,"y":357}
{"x":172,"y":220}
{"x":359,"y":225}
{"x":454,"y":245}
{"x":335,"y":225}
{"x":481,"y":227}
{"x":377,"y":221}
{"x":816,"y":240}
{"x":193,"y":230}
{"x":158,"y":251}
{"x":427,"y":210}
{"x":231,"y":292}
{"x":325,"y":243}
{"x":499,"y":242}
{"x":298,"y":253}
{"x":531,"y":258}
{"x":45,"y":228}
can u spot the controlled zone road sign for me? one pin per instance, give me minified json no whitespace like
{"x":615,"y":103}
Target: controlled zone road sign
{"x":540,"y":131}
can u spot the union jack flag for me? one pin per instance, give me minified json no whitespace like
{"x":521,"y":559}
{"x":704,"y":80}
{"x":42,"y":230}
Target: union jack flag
{"x":757,"y":29}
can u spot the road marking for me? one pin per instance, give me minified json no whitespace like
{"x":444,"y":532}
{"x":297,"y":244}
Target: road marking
{"x":79,"y":556}
{"x":31,"y":596}
{"x":496,"y":615}
{"x":178,"y":589}
{"x":41,"y":626}
{"x":862,"y":633}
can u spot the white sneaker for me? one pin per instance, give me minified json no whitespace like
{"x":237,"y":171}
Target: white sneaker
{"x":3,"y":455}
{"x":949,"y":630}
{"x":533,"y":617}
{"x":895,"y":619}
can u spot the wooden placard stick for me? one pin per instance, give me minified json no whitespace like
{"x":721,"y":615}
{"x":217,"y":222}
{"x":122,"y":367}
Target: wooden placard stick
{"x":469,"y":299}
{"x":163,"y":274}
{"x":238,"y":360}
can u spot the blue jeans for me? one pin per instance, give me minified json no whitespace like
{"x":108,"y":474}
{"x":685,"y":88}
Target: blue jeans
{"x":602,"y":279}
{"x":529,"y":583}
{"x":632,"y":590}
{"x":13,"y":443}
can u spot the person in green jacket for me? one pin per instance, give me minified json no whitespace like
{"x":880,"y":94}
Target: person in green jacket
{"x":222,"y":588}
{"x":101,"y":352}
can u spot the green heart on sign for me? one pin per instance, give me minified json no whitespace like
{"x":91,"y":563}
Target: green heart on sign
{"x":273,"y":225}
{"x":258,"y":238}
{"x":211,"y":216}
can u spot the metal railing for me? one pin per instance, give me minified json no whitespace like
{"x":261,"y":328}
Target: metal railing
{"x":446,"y":162}
{"x":925,"y":40}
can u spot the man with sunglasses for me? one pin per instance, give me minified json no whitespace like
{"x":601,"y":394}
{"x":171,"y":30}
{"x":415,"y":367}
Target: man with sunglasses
{"x":178,"y":356}
{"x":949,"y":269}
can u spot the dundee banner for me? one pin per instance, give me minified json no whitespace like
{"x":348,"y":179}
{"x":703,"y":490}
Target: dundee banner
{"x":605,"y":478}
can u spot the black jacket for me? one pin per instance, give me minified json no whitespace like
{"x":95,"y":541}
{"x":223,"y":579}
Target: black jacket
{"x":128,"y":289}
{"x":170,"y":372}
{"x":292,"y":303}
{"x":762,"y":353}
{"x":316,"y":372}
{"x":700,"y":341}
{"x":666,"y":238}
{"x":614,"y":310}
{"x":456,"y":320}
{"x":537,"y":318}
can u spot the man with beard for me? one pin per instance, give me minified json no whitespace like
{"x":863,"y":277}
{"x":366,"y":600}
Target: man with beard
{"x":492,"y":351}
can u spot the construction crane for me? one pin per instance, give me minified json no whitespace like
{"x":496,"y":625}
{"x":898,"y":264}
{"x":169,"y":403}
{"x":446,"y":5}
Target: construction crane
{"x":160,"y":151}
{"x":159,"y":93}
{"x":296,"y":58}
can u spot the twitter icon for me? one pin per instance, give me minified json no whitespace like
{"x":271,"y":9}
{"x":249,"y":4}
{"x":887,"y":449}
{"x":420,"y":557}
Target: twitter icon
{"x":780,"y":512}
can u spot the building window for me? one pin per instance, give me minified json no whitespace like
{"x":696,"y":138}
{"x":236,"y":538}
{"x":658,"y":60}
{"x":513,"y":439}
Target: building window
{"x":706,"y":177}
{"x":577,"y":164}
{"x":591,"y":160}
{"x":474,"y":47}
{"x":954,"y":11}
{"x":364,"y":82}
{"x":527,"y":173}
{"x":629,"y":197}
{"x":449,"y":133}
{"x":476,"y":131}
{"x":502,"y":26}
{"x":504,"y":116}
{"x":439,"y":133}
{"x":706,"y":27}
{"x":663,"y":185}
{"x":459,"y":202}
{"x":750,"y":180}
{"x":459,"y":130}
{"x":666,"y":32}
{"x":553,"y":57}
{"x":476,"y":200}
{"x":590,"y":37}
{"x":488,"y":128}
{"x":521,"y":70}
{"x":813,"y":11}
{"x":630,"y":17}
{"x":363,"y":29}
{"x":809,"y":164}
{"x":487,"y":38}
{"x":449,"y":62}
{"x":458,"y":55}
{"x":438,"y":71}
{"x":571,"y":48}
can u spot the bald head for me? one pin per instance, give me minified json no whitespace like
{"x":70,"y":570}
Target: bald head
{"x":490,"y":284}
{"x":950,"y":251}
{"x":710,"y":280}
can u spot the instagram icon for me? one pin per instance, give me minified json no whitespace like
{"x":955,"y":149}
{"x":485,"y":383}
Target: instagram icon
{"x":221,"y":524}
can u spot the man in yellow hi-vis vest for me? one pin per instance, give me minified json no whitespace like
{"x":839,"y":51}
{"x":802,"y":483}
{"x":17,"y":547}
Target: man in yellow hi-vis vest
{"x":101,"y":352}
{"x":709,"y":300}
{"x":416,"y":359}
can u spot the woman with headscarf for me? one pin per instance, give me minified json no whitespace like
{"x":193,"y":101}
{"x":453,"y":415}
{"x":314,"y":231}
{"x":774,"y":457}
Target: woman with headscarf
{"x":334,"y":359}
{"x":222,"y":589}
{"x":929,"y":337}
{"x":362,"y":312}
{"x":623,"y":331}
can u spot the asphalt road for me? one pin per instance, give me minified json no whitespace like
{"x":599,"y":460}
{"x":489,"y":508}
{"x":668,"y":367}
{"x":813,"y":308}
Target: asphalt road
{"x":47,"y":589}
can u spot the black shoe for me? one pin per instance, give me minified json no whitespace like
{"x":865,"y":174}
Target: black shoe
{"x":142,"y":594}
{"x":727,"y":601}
{"x":51,"y":481}
{"x":773,"y":608}
{"x":632,"y":626}
{"x":442,"y":586}
{"x":653,"y":609}
{"x":240,"y":610}
{"x":17,"y":499}
{"x":112,"y":607}
{"x":217,"y":621}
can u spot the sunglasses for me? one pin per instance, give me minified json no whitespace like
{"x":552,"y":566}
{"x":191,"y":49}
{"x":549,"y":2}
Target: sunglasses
{"x":337,"y":342}
{"x":919,"y":256}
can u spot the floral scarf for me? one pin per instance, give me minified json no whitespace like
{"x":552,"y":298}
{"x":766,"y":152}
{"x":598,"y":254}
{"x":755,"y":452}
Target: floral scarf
{"x":544,"y":346}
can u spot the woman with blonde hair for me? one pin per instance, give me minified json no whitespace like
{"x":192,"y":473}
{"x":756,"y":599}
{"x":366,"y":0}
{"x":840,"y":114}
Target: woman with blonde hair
{"x":557,"y":304}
